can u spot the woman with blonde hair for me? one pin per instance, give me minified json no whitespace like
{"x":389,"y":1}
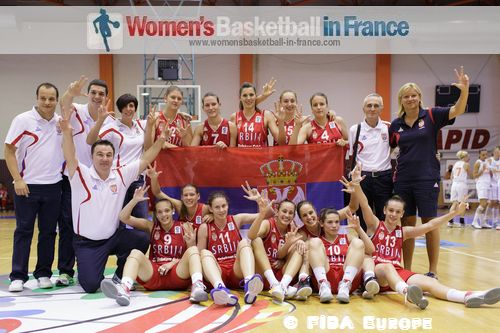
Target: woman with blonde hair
{"x":417,"y":173}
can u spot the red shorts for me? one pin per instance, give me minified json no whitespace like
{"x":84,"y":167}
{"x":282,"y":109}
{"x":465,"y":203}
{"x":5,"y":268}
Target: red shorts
{"x":403,"y":273}
{"x":170,"y":281}
{"x":227,"y":272}
{"x":335,"y":275}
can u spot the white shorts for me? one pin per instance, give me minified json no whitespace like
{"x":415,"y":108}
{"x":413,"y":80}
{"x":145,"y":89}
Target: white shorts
{"x":494,"y":191}
{"x":483,"y":190}
{"x":458,"y":191}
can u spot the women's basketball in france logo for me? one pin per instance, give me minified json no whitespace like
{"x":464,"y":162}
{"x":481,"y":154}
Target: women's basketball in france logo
{"x":104,"y":31}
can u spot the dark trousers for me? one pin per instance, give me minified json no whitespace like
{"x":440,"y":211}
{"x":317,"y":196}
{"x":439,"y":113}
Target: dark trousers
{"x":91,"y":255}
{"x":66,"y":257}
{"x":43,"y":201}
{"x":141,"y":209}
{"x":378,"y":189}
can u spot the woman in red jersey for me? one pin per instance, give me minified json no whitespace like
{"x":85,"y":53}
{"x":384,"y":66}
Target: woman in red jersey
{"x":388,"y":237}
{"x":215,"y":130}
{"x":174,"y":260}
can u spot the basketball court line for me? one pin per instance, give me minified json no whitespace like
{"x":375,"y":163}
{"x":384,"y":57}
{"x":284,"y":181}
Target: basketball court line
{"x":471,"y":255}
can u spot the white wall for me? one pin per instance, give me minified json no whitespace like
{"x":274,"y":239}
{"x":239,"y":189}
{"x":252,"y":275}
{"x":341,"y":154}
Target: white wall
{"x":346,"y":79}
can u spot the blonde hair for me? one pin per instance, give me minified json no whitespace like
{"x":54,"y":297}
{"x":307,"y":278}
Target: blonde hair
{"x":403,"y":90}
{"x":461,"y":154}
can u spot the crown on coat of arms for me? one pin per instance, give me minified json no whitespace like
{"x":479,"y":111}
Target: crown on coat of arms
{"x":281,"y":171}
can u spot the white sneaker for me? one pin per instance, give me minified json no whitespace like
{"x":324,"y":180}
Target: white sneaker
{"x":277,"y":293}
{"x":16,"y":286}
{"x":198,"y":293}
{"x":371,"y":288}
{"x":116,"y":291}
{"x":498,"y":226}
{"x":222,"y":296}
{"x":252,"y":288}
{"x":415,"y":295}
{"x":485,"y":225}
{"x":343,"y":293}
{"x":325,"y":292}
{"x":478,"y":298}
{"x":45,"y":283}
{"x":290,"y":292}
{"x":450,"y":224}
{"x":475,"y":225}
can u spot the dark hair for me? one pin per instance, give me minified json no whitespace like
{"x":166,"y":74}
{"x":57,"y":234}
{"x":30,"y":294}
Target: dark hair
{"x":396,"y":198}
{"x":100,"y":83}
{"x":47,"y":85}
{"x":184,"y":212}
{"x":327,"y":211}
{"x":245,"y":85}
{"x":102,"y":143}
{"x":155,"y":218}
{"x":124,"y":100}
{"x":302,"y":203}
{"x":287,"y":201}
{"x":172,"y":89}
{"x":209,"y":94}
{"x":216,"y":194}
{"x":318,"y":94}
{"x":288,"y":91}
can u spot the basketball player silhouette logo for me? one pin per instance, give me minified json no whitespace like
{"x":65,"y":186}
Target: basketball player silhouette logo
{"x":102,"y":26}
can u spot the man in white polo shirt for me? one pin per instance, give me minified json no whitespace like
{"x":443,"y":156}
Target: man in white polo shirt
{"x":373,"y":152}
{"x":34,"y":158}
{"x":97,"y":197}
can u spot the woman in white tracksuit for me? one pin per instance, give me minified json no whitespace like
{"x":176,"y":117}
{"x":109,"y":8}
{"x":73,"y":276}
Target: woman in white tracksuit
{"x":459,"y":189}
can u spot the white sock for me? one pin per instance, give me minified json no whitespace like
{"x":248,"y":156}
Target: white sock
{"x":127,"y":282}
{"x":269,"y":274}
{"x":285,"y":281}
{"x":401,"y":287}
{"x":196,"y":277}
{"x":219,"y":283}
{"x":454,"y":295}
{"x":303,"y":276}
{"x":477,"y":215}
{"x":494,"y":215}
{"x":320,"y":273}
{"x":368,"y":274}
{"x":350,"y":273}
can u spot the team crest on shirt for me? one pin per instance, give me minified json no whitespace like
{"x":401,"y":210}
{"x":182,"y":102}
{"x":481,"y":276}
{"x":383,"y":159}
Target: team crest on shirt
{"x":113,"y":188}
{"x":214,"y":236}
{"x":273,"y":238}
{"x":58,"y":129}
{"x":421,"y":123}
{"x":258,"y":119}
{"x":224,"y":130}
{"x":156,"y":235}
{"x":384,"y":136}
{"x":331,"y":124}
{"x":177,"y":230}
{"x":314,"y":135}
{"x":381,"y":235}
{"x":198,"y":220}
{"x":205,"y":137}
{"x":398,"y":234}
{"x":230,"y":226}
{"x":342,"y":241}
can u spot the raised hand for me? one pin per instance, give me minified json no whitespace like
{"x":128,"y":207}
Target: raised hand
{"x":349,"y":186}
{"x":462,"y":80}
{"x":152,"y":115}
{"x":251,"y":193}
{"x":356,"y":173}
{"x":64,"y":122}
{"x":75,"y":87}
{"x":140,"y":192}
{"x":189,"y":234}
{"x":353,"y":221}
{"x":103,"y":110}
{"x":268,"y":88}
{"x":183,"y":131}
{"x":331,"y":115}
{"x":279,"y":112}
{"x":299,"y":118}
{"x":151,"y":171}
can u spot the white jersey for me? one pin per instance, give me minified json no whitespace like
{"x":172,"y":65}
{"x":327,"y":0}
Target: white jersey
{"x":485,"y":177}
{"x":459,"y":172}
{"x":495,"y":169}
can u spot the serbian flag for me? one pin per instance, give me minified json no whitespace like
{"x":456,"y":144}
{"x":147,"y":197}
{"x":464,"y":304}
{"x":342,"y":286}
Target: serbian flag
{"x":295,"y":173}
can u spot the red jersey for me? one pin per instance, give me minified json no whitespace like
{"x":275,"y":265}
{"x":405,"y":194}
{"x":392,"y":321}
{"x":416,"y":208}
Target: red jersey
{"x":336,"y":252}
{"x":197,"y":219}
{"x":308,"y":233}
{"x":211,"y":137}
{"x":289,"y":125}
{"x":251,"y":132}
{"x":223,"y":243}
{"x":175,"y":135}
{"x":274,"y":240}
{"x":330,"y":134}
{"x":388,"y":245}
{"x":167,"y":245}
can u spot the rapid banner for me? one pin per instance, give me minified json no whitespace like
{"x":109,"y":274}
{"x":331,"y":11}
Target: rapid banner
{"x":288,"y":172}
{"x":453,"y":139}
{"x":250,"y":30}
